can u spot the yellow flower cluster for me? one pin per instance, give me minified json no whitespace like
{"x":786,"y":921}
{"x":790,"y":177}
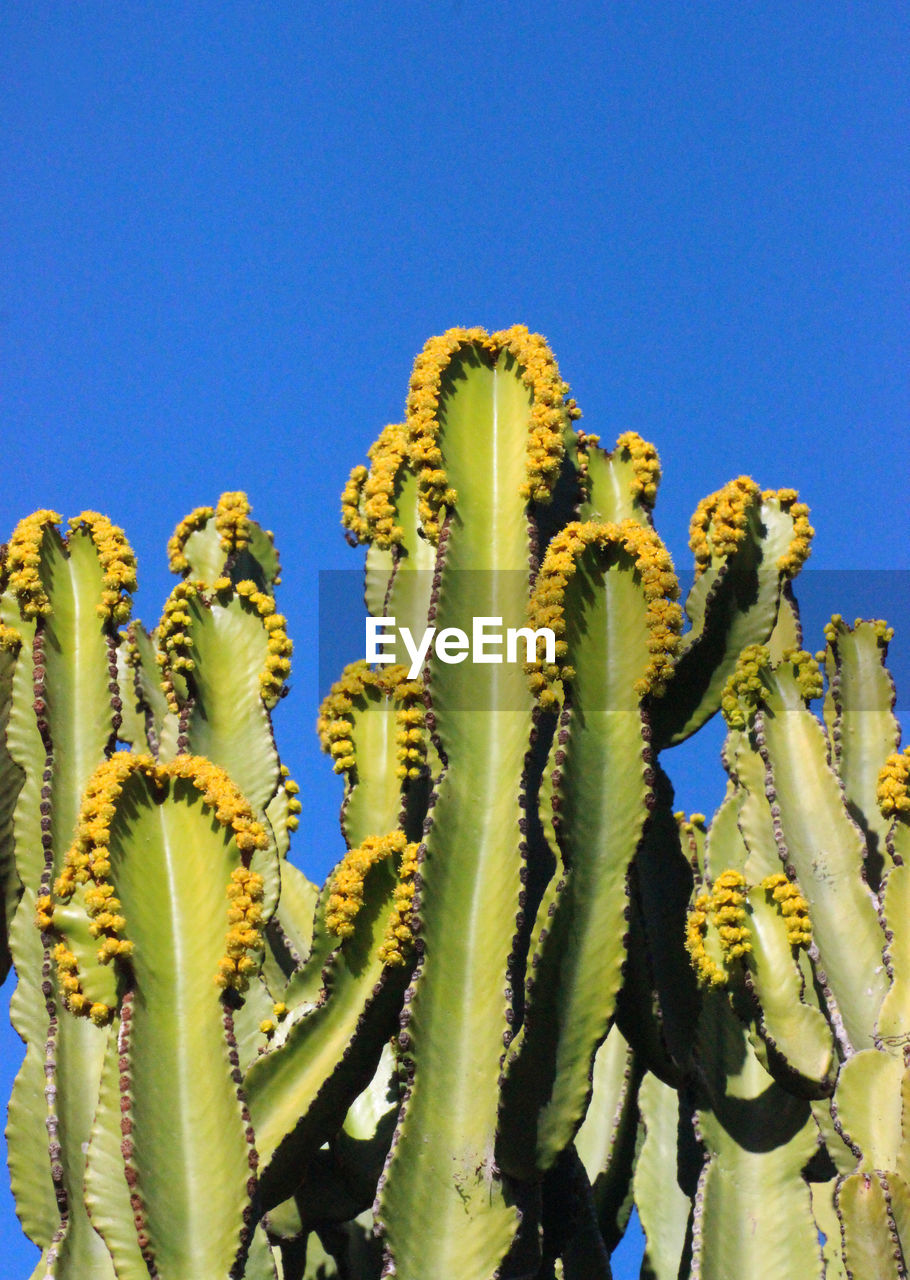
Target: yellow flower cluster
{"x":745,"y":688}
{"x":231,"y":807}
{"x":117,"y":562}
{"x":645,"y":465}
{"x":708,"y":971}
{"x":797,"y":553}
{"x":23,"y":563}
{"x":174,"y":641}
{"x":399,"y":935}
{"x":423,"y":427}
{"x":893,"y":791}
{"x":351,"y":518}
{"x":335,"y":724}
{"x":549,"y":410}
{"x":232,"y":520}
{"x":87,"y":857}
{"x":44,"y":912}
{"x":793,"y":907}
{"x":837,"y":627}
{"x":725,"y":907}
{"x":189,"y":524}
{"x":720,"y":520}
{"x":244,"y":937}
{"x":278,"y":659}
{"x":548,"y":417}
{"x":411,"y":737}
{"x":807,"y":672}
{"x":659,"y":586}
{"x":346,"y":897}
{"x":387,"y":457}
{"x":10,"y":639}
{"x":291,"y":790}
{"x":88,"y":860}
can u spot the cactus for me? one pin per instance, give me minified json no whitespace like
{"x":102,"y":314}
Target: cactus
{"x":530,"y":995}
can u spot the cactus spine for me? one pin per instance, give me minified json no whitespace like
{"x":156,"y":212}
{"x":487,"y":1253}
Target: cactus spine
{"x":530,"y":994}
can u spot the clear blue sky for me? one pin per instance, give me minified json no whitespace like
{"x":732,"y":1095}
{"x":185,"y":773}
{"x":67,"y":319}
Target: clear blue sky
{"x":228,"y":228}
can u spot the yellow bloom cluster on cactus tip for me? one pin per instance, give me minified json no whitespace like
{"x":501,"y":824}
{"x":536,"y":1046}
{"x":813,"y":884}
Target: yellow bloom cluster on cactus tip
{"x":10,"y":639}
{"x":189,"y":524}
{"x":294,"y":807}
{"x":745,"y":688}
{"x":70,"y":985}
{"x":434,"y":492}
{"x":893,"y":791}
{"x":232,"y":520}
{"x":719,"y":523}
{"x":117,"y":561}
{"x":351,"y":497}
{"x":709,"y":973}
{"x":280,"y":1010}
{"x":346,"y":895}
{"x":549,"y":409}
{"x":175,"y":641}
{"x":277,"y":666}
{"x":87,"y":857}
{"x":335,"y":724}
{"x":807,"y":672}
{"x":387,"y":457}
{"x":728,"y":900}
{"x":834,"y":629}
{"x":267,"y":1027}
{"x":793,"y":907}
{"x":231,"y":807}
{"x":399,"y":936}
{"x":645,"y":466}
{"x":244,"y":936}
{"x":23,"y":562}
{"x":797,"y":553}
{"x":659,"y":587}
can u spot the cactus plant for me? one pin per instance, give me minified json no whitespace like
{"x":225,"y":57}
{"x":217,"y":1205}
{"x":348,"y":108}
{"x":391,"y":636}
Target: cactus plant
{"x":530,"y":994}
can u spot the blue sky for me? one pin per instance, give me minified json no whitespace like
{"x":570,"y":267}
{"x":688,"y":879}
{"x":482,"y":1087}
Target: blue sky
{"x":228,"y":229}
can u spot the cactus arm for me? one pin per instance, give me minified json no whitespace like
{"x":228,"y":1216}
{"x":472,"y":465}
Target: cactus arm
{"x":661,"y":884}
{"x":11,"y":781}
{"x":621,"y":485}
{"x":758,"y":1139}
{"x":814,"y":819}
{"x":605,"y":1141}
{"x":666,"y":1175}
{"x":27,"y":1136}
{"x":829,"y":1228}
{"x":871,"y":1245}
{"x":107,"y":1196}
{"x":186,"y":1158}
{"x":211,"y":543}
{"x":143,"y":696}
{"x":344,"y":998}
{"x":893,"y":1022}
{"x":616,"y":584}
{"x":747,"y":545}
{"x":862,"y":727}
{"x":300,"y":1089}
{"x":225,"y":716}
{"x":472,"y":403}
{"x":67,"y":685}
